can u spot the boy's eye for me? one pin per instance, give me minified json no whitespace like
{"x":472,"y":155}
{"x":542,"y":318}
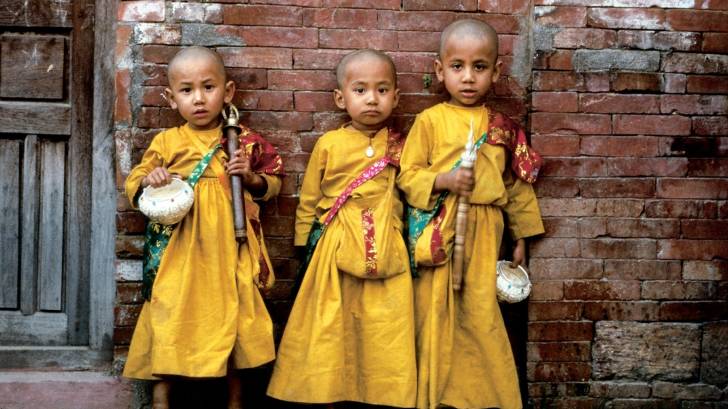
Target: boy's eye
{"x":480,"y":67}
{"x":185,"y":90}
{"x":359,"y":90}
{"x":383,"y":90}
{"x":209,"y":87}
{"x":456,"y":66}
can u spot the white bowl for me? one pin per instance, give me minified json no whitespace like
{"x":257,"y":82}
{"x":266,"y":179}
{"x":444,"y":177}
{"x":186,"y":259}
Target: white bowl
{"x":512,"y":284}
{"x":167,"y":204}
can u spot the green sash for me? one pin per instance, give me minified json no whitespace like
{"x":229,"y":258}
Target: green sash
{"x":417,"y":219}
{"x":156,"y":235}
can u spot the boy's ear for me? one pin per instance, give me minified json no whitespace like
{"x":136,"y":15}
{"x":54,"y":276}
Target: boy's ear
{"x":169,"y":96}
{"x":229,"y":91}
{"x":396,"y":98}
{"x":439,"y":70}
{"x":339,"y":99}
{"x":497,"y":70}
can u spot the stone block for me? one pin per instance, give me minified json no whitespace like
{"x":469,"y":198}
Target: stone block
{"x":602,"y":60}
{"x":646,"y":351}
{"x":714,"y":354}
{"x":619,"y":389}
{"x":696,"y":391}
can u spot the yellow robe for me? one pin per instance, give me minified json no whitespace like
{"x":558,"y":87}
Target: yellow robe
{"x":463,"y":353}
{"x":205,"y":307}
{"x":347,"y":339}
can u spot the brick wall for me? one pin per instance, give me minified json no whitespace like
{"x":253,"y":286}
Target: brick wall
{"x":627,"y":104}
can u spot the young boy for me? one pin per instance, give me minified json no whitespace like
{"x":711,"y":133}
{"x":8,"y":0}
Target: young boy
{"x":464,"y":357}
{"x":350,"y":335}
{"x":205,"y":316}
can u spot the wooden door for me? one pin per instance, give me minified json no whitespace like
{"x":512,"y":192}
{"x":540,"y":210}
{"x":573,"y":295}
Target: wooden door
{"x":46,"y":78}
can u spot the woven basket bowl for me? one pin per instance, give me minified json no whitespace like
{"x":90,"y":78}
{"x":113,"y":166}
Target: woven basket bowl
{"x":512,"y":284}
{"x":167,"y":204}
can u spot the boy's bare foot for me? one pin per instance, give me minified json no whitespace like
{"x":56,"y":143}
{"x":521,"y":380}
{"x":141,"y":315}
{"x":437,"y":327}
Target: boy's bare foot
{"x":160,"y":395}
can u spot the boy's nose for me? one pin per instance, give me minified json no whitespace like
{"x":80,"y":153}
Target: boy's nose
{"x":372,"y":98}
{"x":198,"y":97}
{"x":468,"y":75}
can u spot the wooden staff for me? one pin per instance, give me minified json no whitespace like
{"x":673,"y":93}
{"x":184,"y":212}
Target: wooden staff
{"x":461,"y":219}
{"x":232,"y":130}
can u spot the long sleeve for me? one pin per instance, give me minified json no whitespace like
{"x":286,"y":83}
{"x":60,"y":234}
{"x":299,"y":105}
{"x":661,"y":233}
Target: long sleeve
{"x":153,"y":158}
{"x":524,"y":216}
{"x":416,"y":178}
{"x":309,"y":198}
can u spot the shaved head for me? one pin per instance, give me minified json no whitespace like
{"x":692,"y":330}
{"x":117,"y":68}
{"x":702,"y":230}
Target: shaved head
{"x":190,"y":55}
{"x":469,"y":28}
{"x":361,"y":56}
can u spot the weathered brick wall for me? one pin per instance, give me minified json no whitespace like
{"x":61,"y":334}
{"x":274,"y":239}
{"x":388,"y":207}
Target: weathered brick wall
{"x":628,"y":106}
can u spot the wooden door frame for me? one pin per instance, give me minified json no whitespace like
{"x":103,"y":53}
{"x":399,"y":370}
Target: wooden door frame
{"x":91,"y":346}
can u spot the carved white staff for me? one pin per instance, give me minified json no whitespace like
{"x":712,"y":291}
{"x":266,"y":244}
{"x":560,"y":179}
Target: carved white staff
{"x":458,"y":258}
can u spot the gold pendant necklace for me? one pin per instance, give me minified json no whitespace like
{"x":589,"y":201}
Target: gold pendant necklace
{"x":370,"y":149}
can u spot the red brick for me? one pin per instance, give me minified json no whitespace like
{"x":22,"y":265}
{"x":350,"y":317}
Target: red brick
{"x":560,"y":331}
{"x":248,"y":78}
{"x":692,"y":63}
{"x":557,"y":81}
{"x":674,"y":83}
{"x":169,"y":118}
{"x":122,"y":335}
{"x":556,"y":187}
{"x":340,"y":18}
{"x":637,"y":18}
{"x":557,"y":351}
{"x":561,"y":227}
{"x":326,"y":121}
{"x":652,"y":124}
{"x":437,"y":20}
{"x":715,"y":167}
{"x":153,"y":96}
{"x":122,"y":104}
{"x":547,"y":290}
{"x":264,"y":100}
{"x":708,"y":84}
{"x":617,"y":187}
{"x":196,"y":13}
{"x":620,"y":207}
{"x":712,"y":4}
{"x":602,"y":290}
{"x":653,"y":228}
{"x":413,"y":62}
{"x":618,"y":248}
{"x":314,"y":101}
{"x":621,"y":310}
{"x":681,"y":209}
{"x":642,"y":269}
{"x":715,"y":43}
{"x":647,"y":166}
{"x":294,"y":121}
{"x":122,"y":50}
{"x":154,"y":74}
{"x":697,"y":20}
{"x":561,"y":268}
{"x":633,"y":81}
{"x":317,"y":59}
{"x":416,"y":103}
{"x":677,"y":290}
{"x":563,"y":372}
{"x":503,"y":6}
{"x":692,"y":188}
{"x":256,"y":57}
{"x":126,"y":314}
{"x":712,"y":125}
{"x":454,"y":5}
{"x":375,"y":4}
{"x":554,"y":101}
{"x":555,"y":145}
{"x":272,"y":36}
{"x":279,"y":226}
{"x":615,"y":146}
{"x":340,"y":38}
{"x":585,"y":38}
{"x":159,"y":54}
{"x":128,"y":246}
{"x":714,"y":270}
{"x":693,"y":310}
{"x":302,"y":3}
{"x":692,"y":249}
{"x":592,"y":227}
{"x":148,"y":117}
{"x":308,"y":80}
{"x":542,"y":122}
{"x":507,"y":43}
{"x":704,"y":229}
{"x":560,"y":16}
{"x":413,"y":83}
{"x":694,"y":104}
{"x":418,"y":41}
{"x":148,"y":11}
{"x":582,"y":167}
{"x":567,"y":207}
{"x":619,"y":103}
{"x":555,"y":247}
{"x":129,"y":293}
{"x":247,"y":15}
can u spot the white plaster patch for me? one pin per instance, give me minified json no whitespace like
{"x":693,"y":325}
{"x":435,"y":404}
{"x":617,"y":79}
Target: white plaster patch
{"x":671,"y":4}
{"x":637,"y":19}
{"x":128,"y":270}
{"x":143,"y":11}
{"x":149,"y":33}
{"x":540,"y":11}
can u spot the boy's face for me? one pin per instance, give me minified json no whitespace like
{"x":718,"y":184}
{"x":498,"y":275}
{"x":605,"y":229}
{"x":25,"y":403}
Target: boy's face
{"x":198,"y":91}
{"x":469,"y":67}
{"x":368,"y":93}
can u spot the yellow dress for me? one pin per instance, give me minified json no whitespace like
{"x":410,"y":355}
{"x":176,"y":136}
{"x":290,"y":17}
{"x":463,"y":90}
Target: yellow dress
{"x":347,"y":339}
{"x":205,"y":307}
{"x":463,"y":353}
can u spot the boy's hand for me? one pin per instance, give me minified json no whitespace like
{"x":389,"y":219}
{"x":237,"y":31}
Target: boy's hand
{"x":157,"y":177}
{"x":519,"y":253}
{"x":240,"y":165}
{"x":459,"y":181}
